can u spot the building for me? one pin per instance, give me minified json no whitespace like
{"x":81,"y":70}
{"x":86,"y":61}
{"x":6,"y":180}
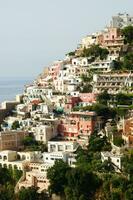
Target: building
{"x":51,"y":157}
{"x":127,"y":134}
{"x":115,"y":158}
{"x":62,"y":146}
{"x":45,"y":130}
{"x":112,"y":40}
{"x":81,"y":61}
{"x":9,"y":159}
{"x":18,"y":160}
{"x":36,"y":176}
{"x":80,"y":99}
{"x":121,"y":20}
{"x":35,"y":92}
{"x":55,"y":69}
{"x":88,"y":41}
{"x":12,"y":140}
{"x":101,"y":66}
{"x":76,"y":124}
{"x":113,"y":82}
{"x":35,"y":179}
{"x":6,"y":107}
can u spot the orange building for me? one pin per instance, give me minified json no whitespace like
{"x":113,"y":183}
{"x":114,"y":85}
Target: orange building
{"x":77,"y":123}
{"x":128,"y":132}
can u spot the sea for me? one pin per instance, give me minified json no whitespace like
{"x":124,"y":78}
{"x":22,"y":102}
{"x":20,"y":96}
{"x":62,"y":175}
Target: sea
{"x":11,"y":86}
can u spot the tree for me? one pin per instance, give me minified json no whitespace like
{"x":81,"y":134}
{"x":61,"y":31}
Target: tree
{"x":98,"y":143}
{"x":28,"y":193}
{"x":128,"y":34}
{"x":123,"y":99}
{"x":95,"y":51}
{"x":81,"y":184}
{"x":103,"y":97}
{"x":128,"y":61}
{"x":129,"y":192}
{"x":72,"y":53}
{"x":117,"y":65}
{"x":4,"y":176}
{"x":29,"y":141}
{"x":7,"y":192}
{"x":118,"y":141}
{"x":57,"y":177}
{"x":87,"y":88}
{"x":104,"y":111}
{"x":15,"y":125}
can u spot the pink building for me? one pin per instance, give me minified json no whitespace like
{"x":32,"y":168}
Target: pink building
{"x":112,"y":40}
{"x":54,"y":70}
{"x":83,"y":99}
{"x":87,"y":98}
{"x":70,"y":102}
{"x":77,"y":123}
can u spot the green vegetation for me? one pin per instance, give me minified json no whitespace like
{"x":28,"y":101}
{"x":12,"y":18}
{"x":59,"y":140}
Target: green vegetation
{"x":124,"y":99}
{"x":87,"y":88}
{"x":31,"y":194}
{"x":8,"y":180}
{"x":104,"y":98}
{"x":72,"y":183}
{"x":95,"y":51}
{"x":72,"y":53}
{"x":57,"y":177}
{"x":118,"y":141}
{"x":128,"y":61}
{"x":15,"y":125}
{"x":92,"y":179}
{"x":128,"y":34}
{"x":31,"y":144}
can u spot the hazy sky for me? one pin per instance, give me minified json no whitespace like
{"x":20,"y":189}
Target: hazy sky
{"x":34,"y":33}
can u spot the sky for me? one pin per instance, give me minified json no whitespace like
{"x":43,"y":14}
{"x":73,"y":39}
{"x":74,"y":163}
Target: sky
{"x":34,"y":33}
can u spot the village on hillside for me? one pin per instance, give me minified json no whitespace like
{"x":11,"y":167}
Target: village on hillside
{"x":77,"y":114}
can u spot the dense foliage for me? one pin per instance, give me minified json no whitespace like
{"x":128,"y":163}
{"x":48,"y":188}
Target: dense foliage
{"x":31,"y":144}
{"x":128,"y":34}
{"x":95,"y":51}
{"x":15,"y":125}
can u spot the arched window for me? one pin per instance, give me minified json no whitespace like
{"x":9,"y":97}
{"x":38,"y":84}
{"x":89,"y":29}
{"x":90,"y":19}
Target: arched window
{"x":4,"y":158}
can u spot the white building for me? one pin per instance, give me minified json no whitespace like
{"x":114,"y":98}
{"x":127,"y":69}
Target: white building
{"x":121,"y":20}
{"x":45,"y":130}
{"x":62,"y":146}
{"x":51,"y":157}
{"x":115,"y":158}
{"x":36,"y":92}
{"x":80,"y":61}
{"x":88,"y":41}
{"x":17,"y":160}
{"x":101,"y":66}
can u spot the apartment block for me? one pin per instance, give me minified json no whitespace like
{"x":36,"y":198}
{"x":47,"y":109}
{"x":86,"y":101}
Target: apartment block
{"x":113,"y":82}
